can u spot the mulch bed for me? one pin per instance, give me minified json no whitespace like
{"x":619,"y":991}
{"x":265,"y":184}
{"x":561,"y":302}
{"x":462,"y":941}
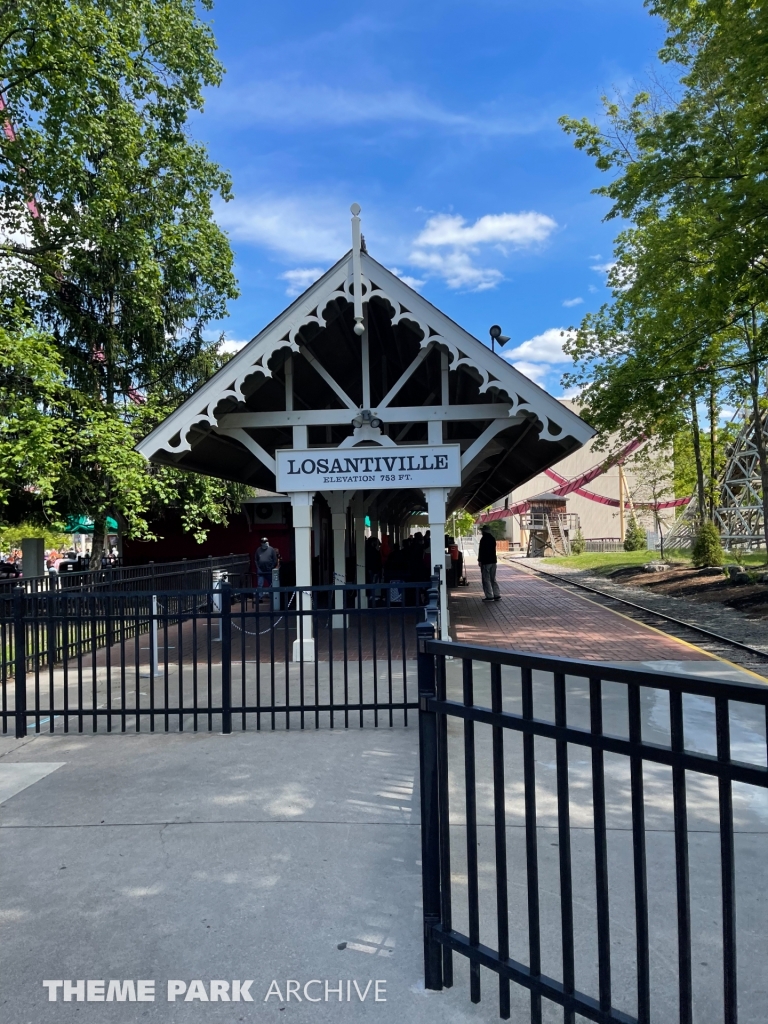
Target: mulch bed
{"x":681,"y":581}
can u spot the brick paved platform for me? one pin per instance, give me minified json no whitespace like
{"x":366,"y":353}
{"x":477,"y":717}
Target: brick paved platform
{"x":535,"y":615}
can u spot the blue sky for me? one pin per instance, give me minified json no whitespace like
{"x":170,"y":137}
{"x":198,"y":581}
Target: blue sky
{"x":440,"y":119}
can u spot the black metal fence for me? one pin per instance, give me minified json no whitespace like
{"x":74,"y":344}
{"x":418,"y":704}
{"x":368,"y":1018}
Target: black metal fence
{"x":212,"y":659}
{"x":565,"y":771}
{"x":69,"y":629}
{"x":186,"y":574}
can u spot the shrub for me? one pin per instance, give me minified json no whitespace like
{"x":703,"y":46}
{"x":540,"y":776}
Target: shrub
{"x":499,"y":528}
{"x":707,"y":549}
{"x":635,"y":538}
{"x":578,"y":544}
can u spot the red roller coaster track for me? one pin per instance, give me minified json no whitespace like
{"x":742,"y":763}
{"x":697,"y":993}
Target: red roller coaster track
{"x":576,"y":486}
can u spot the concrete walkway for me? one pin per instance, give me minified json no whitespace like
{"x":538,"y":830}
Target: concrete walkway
{"x":249,"y":857}
{"x":256,"y":856}
{"x":295,"y":855}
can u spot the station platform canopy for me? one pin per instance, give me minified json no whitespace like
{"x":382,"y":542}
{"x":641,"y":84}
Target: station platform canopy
{"x":364,"y":395}
{"x":362,"y":361}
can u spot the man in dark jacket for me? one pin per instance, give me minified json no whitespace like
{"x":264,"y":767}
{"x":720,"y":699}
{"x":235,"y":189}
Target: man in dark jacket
{"x":486,"y":558}
{"x":267,"y":559}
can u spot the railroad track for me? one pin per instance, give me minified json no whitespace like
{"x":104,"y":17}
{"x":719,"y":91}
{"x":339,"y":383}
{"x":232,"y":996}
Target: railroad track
{"x":751,"y":658}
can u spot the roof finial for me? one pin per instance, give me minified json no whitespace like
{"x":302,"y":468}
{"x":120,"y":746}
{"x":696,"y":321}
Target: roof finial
{"x":357,"y":270}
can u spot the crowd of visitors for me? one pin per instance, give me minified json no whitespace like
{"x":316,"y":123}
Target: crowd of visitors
{"x":12,"y":567}
{"x":409,"y":562}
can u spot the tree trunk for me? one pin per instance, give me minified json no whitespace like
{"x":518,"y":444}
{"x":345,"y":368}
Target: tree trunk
{"x":701,"y":490}
{"x":712,"y":451}
{"x":99,"y":540}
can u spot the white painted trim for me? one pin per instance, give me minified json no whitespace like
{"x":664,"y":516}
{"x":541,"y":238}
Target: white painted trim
{"x":494,"y":373}
{"x":329,"y":380}
{"x":395,"y":414}
{"x":366,"y":368}
{"x":493,"y":428}
{"x":357,"y":273}
{"x":289,"y":383}
{"x":300,"y":436}
{"x":253,"y":446}
{"x":405,"y":376}
{"x":367,"y":433}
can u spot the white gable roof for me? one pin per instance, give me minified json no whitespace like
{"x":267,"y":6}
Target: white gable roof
{"x":494,"y":375}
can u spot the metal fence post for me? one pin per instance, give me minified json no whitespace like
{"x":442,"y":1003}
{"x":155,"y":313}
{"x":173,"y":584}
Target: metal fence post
{"x":20,"y":661}
{"x":154,"y":664}
{"x":430,"y":816}
{"x":439,"y":582}
{"x":50,"y":608}
{"x":432,"y":609}
{"x":226,"y":657}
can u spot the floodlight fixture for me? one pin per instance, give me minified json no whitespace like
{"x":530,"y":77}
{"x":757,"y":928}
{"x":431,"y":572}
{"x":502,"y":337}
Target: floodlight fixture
{"x":366,"y":418}
{"x":496,"y":335}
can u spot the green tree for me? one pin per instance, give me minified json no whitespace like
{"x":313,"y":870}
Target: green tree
{"x":111,"y":242}
{"x":462,"y":522}
{"x":33,"y":430}
{"x":655,"y":476}
{"x":707,"y":549}
{"x":690,"y":286}
{"x":635,"y":539}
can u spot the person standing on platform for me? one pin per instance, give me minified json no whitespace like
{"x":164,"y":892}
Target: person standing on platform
{"x":267,"y":559}
{"x":486,"y":558}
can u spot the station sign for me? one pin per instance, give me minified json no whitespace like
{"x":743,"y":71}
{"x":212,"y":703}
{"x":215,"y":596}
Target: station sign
{"x":370,"y":468}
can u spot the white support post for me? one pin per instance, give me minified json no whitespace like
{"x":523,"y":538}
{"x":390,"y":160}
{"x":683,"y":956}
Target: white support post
{"x":339,"y":524}
{"x":436,"y":505}
{"x":289,"y":384}
{"x":300,"y":437}
{"x":366,"y":367}
{"x":303,"y":649}
{"x":444,"y":379}
{"x":358,"y":509}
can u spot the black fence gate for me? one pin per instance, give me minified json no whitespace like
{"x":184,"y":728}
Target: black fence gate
{"x":509,"y":728}
{"x":223,"y":658}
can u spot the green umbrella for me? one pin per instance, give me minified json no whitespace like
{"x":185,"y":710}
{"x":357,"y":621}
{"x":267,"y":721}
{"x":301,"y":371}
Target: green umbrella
{"x":79,"y":524}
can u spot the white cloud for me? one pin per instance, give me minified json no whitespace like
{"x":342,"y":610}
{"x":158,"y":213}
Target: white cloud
{"x":519,"y":229}
{"x":533,"y":371}
{"x":445,"y":247}
{"x":316,"y":228}
{"x":456,"y":269}
{"x":288,"y":104}
{"x":231,"y":345}
{"x":572,"y":393}
{"x":572,"y":302}
{"x":303,"y":228}
{"x":412,"y":282}
{"x":538,"y":356}
{"x":622,"y":278}
{"x":546,"y":347}
{"x":300,"y":279}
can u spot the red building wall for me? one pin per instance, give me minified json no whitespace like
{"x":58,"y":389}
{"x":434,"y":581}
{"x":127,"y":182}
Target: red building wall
{"x":237,"y":537}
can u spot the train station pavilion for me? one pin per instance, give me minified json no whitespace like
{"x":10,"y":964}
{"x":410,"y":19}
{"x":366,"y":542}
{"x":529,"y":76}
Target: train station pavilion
{"x":364,"y":398}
